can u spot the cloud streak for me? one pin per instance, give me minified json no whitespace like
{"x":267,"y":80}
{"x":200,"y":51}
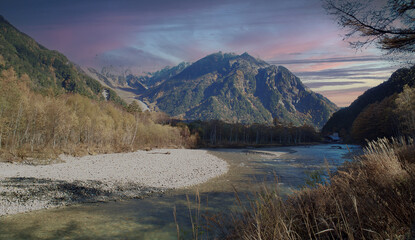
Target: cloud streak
{"x":357,"y":72}
{"x":322,"y":84}
{"x":137,"y":60}
{"x":343,"y":97}
{"x":329,"y":60}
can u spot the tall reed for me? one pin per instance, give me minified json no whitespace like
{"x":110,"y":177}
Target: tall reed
{"x":372,"y":197}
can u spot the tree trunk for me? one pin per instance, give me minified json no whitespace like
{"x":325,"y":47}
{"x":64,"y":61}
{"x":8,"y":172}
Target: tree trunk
{"x":135,"y":130}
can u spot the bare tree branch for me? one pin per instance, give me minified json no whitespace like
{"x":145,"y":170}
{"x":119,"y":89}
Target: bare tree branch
{"x":391,"y":25}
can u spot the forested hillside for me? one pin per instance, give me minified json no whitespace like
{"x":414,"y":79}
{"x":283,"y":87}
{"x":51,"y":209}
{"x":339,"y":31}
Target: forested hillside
{"x":380,"y":112}
{"x":48,"y":107}
{"x":48,"y":72}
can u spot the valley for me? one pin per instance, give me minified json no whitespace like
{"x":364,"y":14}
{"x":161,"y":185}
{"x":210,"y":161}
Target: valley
{"x":228,"y":87}
{"x":152,"y":216}
{"x":207,"y":120}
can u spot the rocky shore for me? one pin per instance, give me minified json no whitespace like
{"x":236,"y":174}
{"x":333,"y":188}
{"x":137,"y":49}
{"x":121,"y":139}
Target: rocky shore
{"x":25,"y":187}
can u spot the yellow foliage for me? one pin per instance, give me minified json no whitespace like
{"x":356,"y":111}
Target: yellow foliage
{"x":2,"y":62}
{"x":406,"y":109}
{"x":31,"y":123}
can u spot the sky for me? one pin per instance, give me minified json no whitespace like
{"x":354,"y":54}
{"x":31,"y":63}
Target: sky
{"x":145,"y":36}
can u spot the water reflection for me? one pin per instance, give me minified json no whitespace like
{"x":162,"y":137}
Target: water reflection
{"x":152,"y":218}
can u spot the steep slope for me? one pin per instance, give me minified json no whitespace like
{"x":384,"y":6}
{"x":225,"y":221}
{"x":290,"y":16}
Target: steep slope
{"x":239,"y":88}
{"x":48,"y":71}
{"x":342,"y":120}
{"x":128,"y":85}
{"x":156,"y":78}
{"x":286,"y":97}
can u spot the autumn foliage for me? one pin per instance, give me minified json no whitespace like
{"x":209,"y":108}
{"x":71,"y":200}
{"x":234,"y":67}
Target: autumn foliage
{"x":393,"y":116}
{"x":44,"y":125}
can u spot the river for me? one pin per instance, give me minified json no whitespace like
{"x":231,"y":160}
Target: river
{"x":152,"y":218}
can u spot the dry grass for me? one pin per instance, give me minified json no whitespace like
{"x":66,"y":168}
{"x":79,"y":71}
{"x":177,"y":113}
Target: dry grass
{"x":370,"y":198}
{"x":198,"y":225}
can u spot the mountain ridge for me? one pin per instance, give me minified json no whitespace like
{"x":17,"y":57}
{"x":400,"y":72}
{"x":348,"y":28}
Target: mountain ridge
{"x":239,"y":88}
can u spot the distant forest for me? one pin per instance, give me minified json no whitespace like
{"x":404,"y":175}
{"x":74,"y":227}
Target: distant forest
{"x":217,"y":133}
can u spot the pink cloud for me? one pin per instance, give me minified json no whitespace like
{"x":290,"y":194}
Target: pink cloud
{"x":344,"y":97}
{"x":317,"y":67}
{"x":81,"y":42}
{"x":288,"y":47}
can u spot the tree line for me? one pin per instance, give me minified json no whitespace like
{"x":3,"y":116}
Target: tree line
{"x":216,"y":133}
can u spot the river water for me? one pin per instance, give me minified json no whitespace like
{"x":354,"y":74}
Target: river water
{"x":152,"y":218}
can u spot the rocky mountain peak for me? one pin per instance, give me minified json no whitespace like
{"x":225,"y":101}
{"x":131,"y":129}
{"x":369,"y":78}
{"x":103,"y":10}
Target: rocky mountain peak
{"x":239,"y":88}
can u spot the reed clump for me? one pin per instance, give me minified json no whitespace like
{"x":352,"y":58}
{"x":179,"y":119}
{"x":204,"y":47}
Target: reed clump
{"x":372,"y":197}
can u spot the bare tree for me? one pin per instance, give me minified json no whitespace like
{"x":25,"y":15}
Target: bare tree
{"x":388,"y":23}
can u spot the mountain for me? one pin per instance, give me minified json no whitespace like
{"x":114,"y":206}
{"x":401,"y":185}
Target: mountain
{"x":239,"y":88}
{"x":342,"y":120}
{"x":48,"y":71}
{"x":117,"y":77}
{"x":127,"y":85}
{"x":158,"y":77}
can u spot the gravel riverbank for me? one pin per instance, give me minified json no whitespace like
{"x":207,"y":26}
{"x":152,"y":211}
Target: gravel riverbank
{"x":105,"y":177}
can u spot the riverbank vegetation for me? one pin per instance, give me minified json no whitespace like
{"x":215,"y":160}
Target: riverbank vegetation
{"x":46,"y":125}
{"x":372,"y":197}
